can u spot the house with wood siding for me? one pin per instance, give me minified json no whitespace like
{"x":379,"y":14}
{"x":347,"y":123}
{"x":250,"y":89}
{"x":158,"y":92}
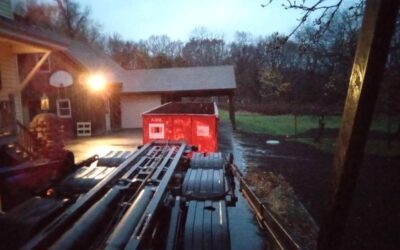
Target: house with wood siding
{"x":75,"y":103}
{"x":16,"y":40}
{"x":29,"y":56}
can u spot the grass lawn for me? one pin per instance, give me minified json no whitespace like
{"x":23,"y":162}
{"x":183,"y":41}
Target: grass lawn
{"x":375,"y":147}
{"x":283,"y":125}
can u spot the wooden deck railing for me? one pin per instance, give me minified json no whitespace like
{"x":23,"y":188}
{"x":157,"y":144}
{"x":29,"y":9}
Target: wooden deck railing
{"x":26,"y":140}
{"x":7,"y":123}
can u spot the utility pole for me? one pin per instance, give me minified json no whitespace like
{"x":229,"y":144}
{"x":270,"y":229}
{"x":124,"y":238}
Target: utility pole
{"x":369,"y":63}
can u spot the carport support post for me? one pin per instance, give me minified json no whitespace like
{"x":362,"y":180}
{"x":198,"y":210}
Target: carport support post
{"x":370,"y":58}
{"x":232,"y":111}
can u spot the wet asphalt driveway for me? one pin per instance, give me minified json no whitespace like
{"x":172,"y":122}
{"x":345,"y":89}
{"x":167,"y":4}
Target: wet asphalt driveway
{"x":123,"y":140}
{"x":244,"y":230}
{"x":374,"y":217}
{"x":374,"y":221}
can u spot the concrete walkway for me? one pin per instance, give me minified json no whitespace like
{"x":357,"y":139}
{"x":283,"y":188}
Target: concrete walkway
{"x":125,"y":140}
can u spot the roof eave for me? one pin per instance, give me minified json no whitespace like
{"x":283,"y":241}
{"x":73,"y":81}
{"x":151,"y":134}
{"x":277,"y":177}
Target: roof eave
{"x":25,"y":38}
{"x":176,"y":91}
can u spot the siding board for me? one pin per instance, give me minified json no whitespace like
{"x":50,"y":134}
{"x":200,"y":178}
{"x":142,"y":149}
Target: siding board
{"x":10,"y":78}
{"x":5,"y":9}
{"x":9,"y":71}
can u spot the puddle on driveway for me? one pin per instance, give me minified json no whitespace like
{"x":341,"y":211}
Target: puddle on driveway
{"x":125,"y":140}
{"x":272,"y":142}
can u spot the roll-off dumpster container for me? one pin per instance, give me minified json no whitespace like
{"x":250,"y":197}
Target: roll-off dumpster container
{"x":196,"y":123}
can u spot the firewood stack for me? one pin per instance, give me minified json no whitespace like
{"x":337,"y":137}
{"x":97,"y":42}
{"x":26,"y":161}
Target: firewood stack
{"x":49,"y":133}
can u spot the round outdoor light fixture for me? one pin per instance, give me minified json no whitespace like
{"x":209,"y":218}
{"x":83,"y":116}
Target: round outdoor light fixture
{"x":96,"y":82}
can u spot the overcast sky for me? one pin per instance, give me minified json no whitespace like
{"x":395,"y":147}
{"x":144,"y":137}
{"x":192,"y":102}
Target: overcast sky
{"x":139,"y":19}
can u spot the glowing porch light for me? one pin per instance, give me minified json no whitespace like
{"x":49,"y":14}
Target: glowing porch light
{"x":96,"y":82}
{"x":44,"y":103}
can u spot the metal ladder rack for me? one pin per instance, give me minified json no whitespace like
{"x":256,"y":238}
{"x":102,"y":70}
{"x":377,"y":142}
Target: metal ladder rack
{"x":149,"y":169}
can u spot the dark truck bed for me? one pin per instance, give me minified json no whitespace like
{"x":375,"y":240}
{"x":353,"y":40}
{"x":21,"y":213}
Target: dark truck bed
{"x":153,"y":198}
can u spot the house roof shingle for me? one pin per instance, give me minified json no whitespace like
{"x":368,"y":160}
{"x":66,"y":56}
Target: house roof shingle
{"x":31,"y":34}
{"x":94,"y":60}
{"x":134,"y":81}
{"x":91,"y":59}
{"x":179,"y":79}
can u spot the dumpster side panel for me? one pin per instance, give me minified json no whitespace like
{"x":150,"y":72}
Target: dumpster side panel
{"x":197,"y":129}
{"x":205,"y":132}
{"x":181,"y":128}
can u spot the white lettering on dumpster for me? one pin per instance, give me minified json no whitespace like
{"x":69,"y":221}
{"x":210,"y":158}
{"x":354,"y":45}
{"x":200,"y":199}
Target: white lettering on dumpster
{"x":156,"y":130}
{"x":203,"y":130}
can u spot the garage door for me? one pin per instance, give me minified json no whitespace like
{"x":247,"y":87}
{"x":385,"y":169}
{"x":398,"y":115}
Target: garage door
{"x":132,"y":106}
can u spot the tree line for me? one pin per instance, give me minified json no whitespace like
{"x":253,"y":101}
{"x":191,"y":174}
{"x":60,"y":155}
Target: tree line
{"x":274,"y":73}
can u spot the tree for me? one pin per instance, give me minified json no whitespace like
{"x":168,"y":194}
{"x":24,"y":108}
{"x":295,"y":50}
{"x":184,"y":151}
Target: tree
{"x":274,"y":86}
{"x":311,"y":65}
{"x":244,"y":55}
{"x":163,"y":51}
{"x":325,"y":10}
{"x":67,"y":17}
{"x":130,"y":55}
{"x":204,"y":49}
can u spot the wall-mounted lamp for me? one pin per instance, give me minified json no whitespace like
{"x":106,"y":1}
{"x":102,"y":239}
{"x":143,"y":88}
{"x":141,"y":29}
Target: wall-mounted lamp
{"x":96,"y":82}
{"x":44,"y":103}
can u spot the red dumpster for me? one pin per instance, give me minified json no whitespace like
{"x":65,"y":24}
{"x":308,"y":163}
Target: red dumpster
{"x":196,"y":123}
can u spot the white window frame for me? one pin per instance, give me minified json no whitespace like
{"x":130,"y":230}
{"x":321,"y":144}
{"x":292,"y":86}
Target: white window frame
{"x":58,"y":101}
{"x":83,"y":129}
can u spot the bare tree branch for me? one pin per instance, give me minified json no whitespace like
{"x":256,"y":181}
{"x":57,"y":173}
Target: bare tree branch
{"x":324,"y":19}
